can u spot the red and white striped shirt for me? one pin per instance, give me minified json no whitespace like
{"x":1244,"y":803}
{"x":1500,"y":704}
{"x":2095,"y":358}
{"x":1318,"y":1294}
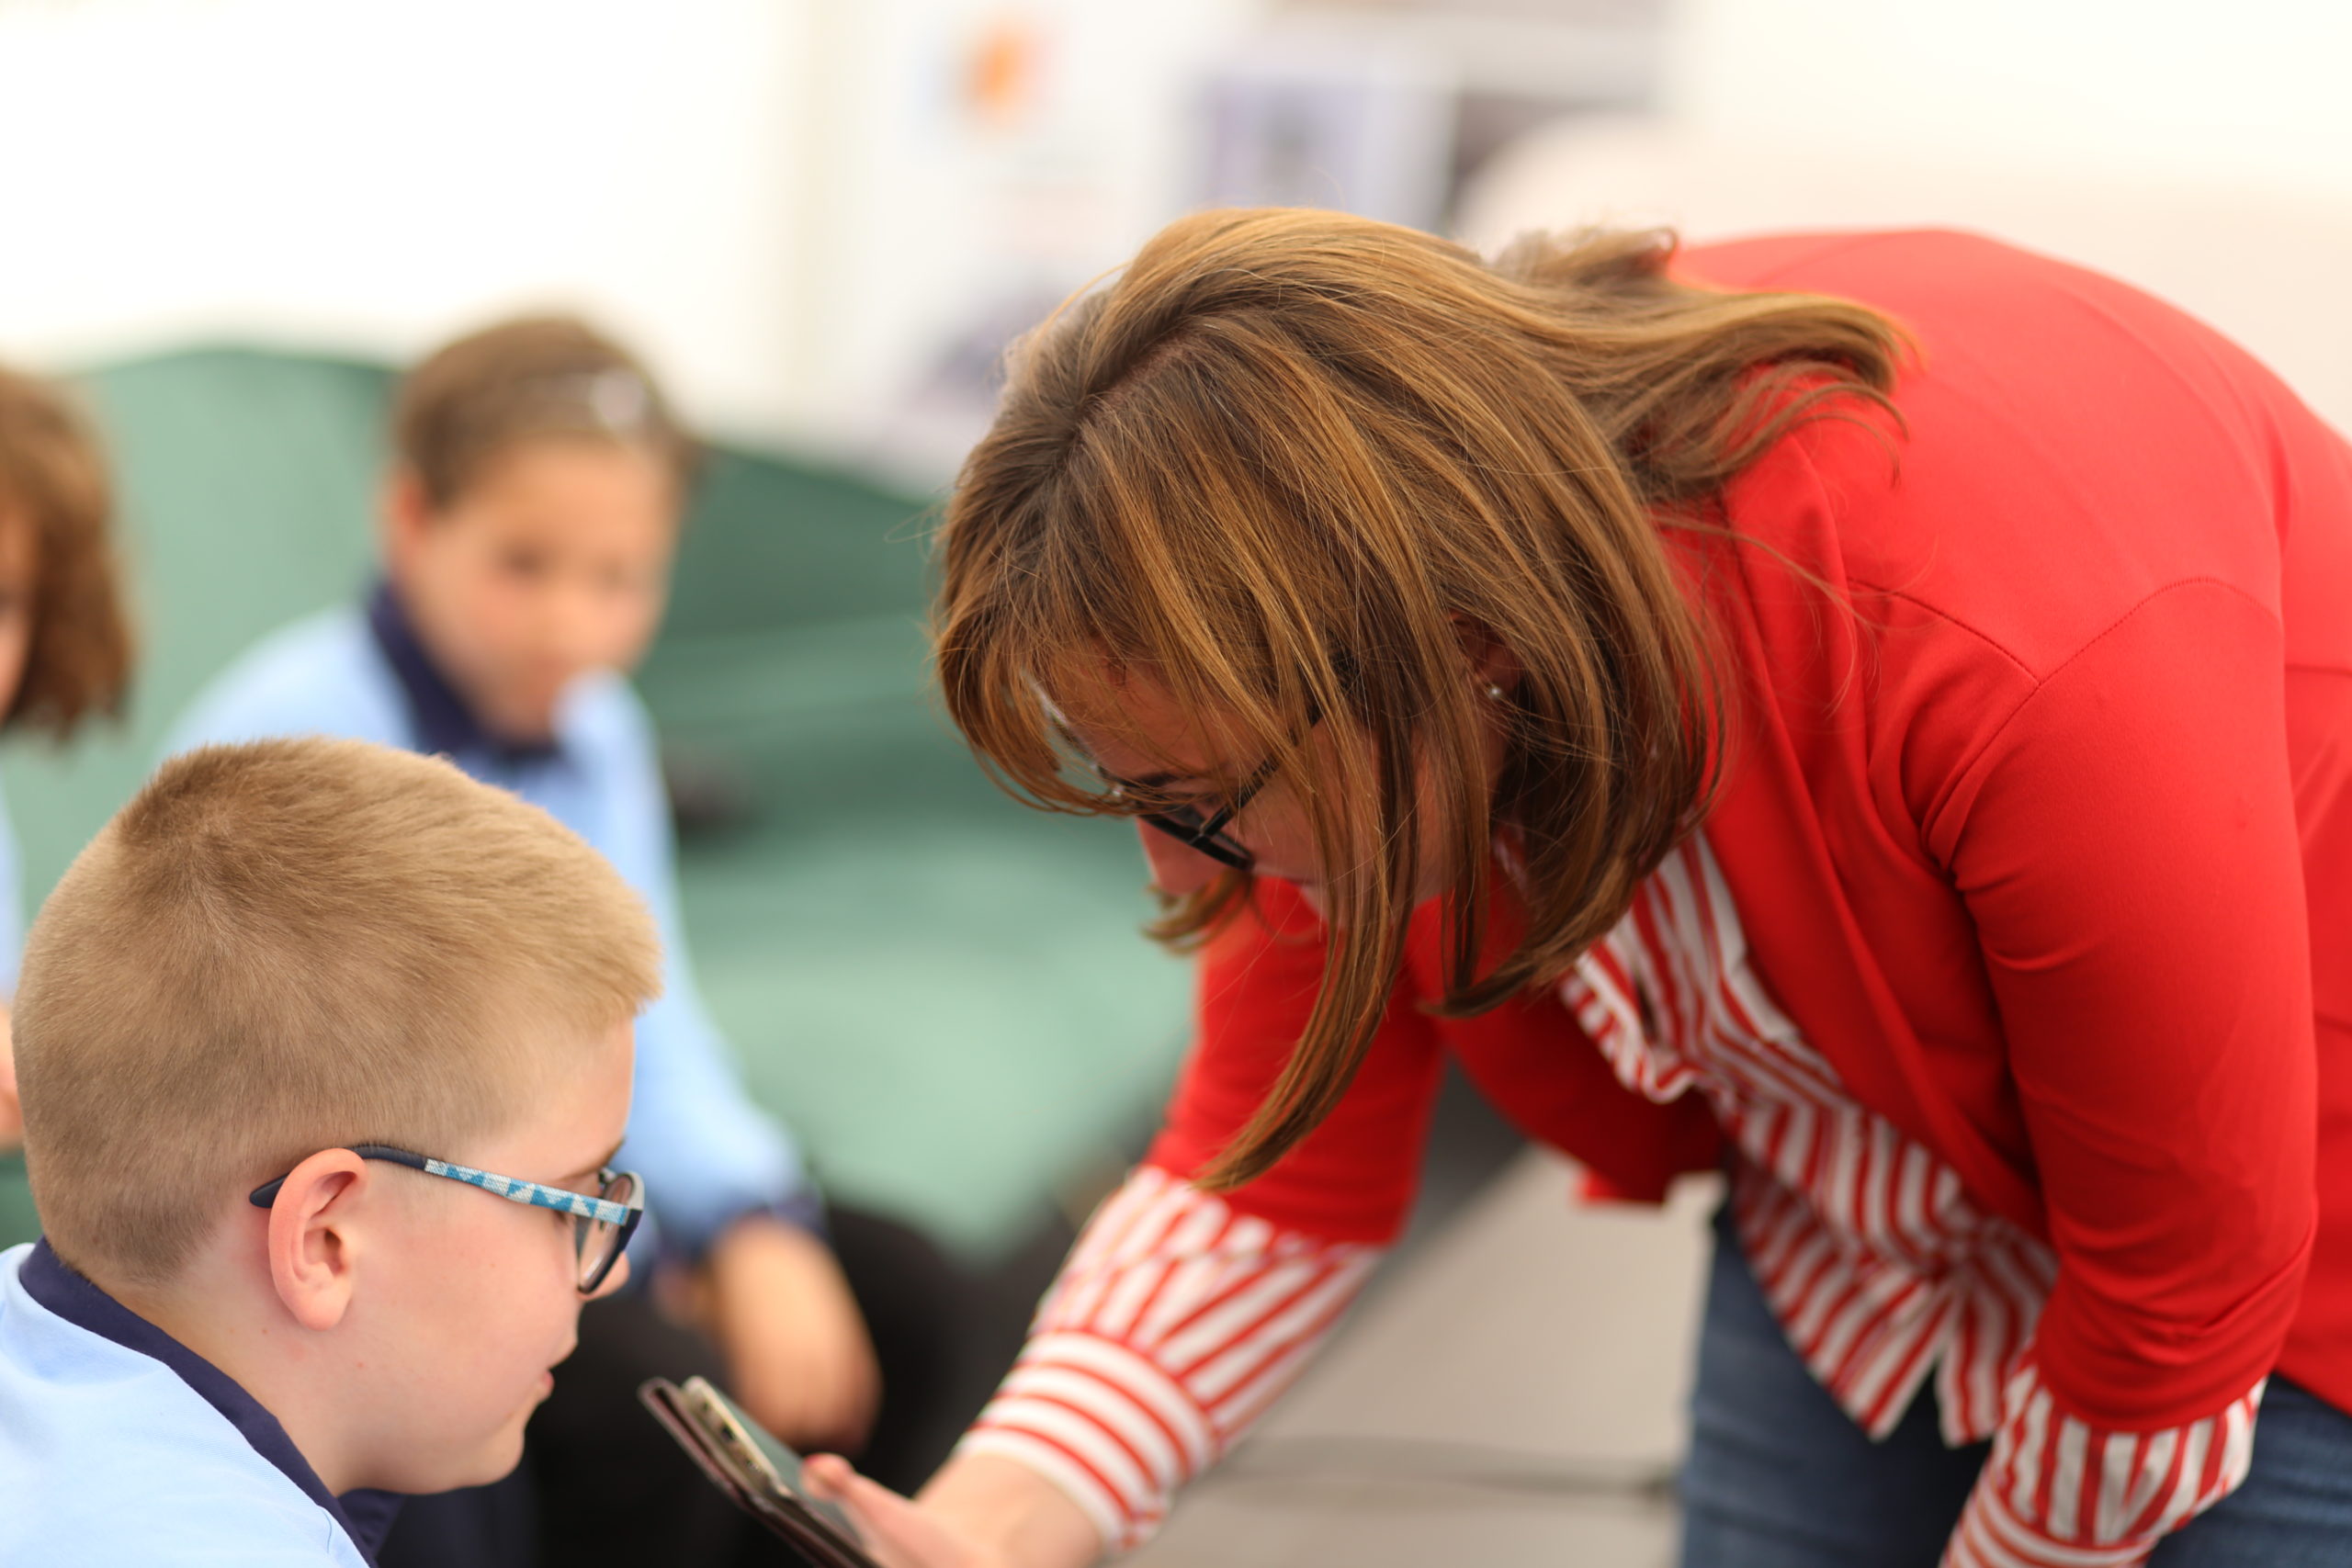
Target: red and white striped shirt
{"x":1172,"y":1327}
{"x":1177,"y":1320}
{"x":1879,"y":1268}
{"x":1874,"y":1259}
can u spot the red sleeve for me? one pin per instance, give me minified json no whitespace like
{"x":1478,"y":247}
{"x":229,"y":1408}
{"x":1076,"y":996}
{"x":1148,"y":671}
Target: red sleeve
{"x":1532,"y":1064}
{"x":1353,"y":1177}
{"x":2127,"y":848}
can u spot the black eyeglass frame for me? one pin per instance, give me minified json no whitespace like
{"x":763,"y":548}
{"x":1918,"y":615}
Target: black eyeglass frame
{"x":1205,"y":834}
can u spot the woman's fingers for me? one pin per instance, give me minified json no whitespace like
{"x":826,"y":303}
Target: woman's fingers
{"x":898,"y":1533}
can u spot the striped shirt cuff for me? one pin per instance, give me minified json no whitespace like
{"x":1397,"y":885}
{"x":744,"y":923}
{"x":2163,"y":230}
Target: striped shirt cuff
{"x":2060,"y":1493}
{"x":1106,"y":1424}
{"x":1173,"y":1326}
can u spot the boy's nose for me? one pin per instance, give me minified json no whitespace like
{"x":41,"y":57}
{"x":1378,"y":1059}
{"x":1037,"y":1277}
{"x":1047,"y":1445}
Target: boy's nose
{"x":613,"y":1280}
{"x":570,"y":625}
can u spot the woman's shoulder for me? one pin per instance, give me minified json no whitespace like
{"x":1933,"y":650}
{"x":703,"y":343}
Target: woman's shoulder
{"x":2069,"y":448}
{"x":1921,"y":276}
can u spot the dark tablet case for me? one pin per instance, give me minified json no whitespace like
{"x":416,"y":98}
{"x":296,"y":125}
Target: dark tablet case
{"x":764,"y":1482}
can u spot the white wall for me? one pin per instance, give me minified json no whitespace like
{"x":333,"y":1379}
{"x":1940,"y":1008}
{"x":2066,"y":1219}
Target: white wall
{"x":371,"y":175}
{"x":785,"y":202}
{"x":2242,"y":93}
{"x":2203,"y":151}
{"x":791,"y":202}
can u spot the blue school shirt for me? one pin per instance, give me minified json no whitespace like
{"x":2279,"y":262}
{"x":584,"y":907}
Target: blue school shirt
{"x":708,"y":1154}
{"x":121,"y":1447}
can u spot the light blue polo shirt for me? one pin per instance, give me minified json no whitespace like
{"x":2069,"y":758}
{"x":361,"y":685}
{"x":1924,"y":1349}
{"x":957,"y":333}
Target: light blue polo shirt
{"x":120,"y":1448}
{"x":708,"y":1154}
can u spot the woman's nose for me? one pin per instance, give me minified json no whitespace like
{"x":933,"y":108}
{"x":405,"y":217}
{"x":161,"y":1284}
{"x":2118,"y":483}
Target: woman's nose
{"x":1175,"y":870}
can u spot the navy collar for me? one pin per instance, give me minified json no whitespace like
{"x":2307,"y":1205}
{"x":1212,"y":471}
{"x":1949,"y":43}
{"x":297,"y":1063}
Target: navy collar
{"x":364,"y":1517}
{"x":445,"y":723}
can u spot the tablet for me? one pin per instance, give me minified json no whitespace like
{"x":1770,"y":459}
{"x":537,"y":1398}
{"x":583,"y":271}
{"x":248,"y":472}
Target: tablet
{"x":753,"y":1468}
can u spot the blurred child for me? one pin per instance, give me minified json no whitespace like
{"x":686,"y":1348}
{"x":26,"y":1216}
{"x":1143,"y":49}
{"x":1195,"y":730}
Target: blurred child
{"x":284,"y":991}
{"x":529,"y":526}
{"x":65,"y":643}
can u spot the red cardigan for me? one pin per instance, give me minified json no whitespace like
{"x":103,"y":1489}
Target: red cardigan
{"x":2047,"y":847}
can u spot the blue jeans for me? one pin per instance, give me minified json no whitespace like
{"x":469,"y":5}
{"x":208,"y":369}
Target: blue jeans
{"x":1780,"y":1477}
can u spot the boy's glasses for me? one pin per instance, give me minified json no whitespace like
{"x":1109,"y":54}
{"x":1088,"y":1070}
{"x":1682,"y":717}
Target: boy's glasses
{"x":601,"y":1225}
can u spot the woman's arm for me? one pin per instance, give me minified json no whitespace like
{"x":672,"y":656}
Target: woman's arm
{"x":1181,"y":1314}
{"x":1172,"y":1327}
{"x":2127,"y":848}
{"x":1176,"y":1321}
{"x":1021,"y":1516}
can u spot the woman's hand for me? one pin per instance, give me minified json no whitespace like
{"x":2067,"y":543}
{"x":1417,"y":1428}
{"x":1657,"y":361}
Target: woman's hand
{"x":799,"y":1358}
{"x":981,"y":1511}
{"x":896,"y":1533}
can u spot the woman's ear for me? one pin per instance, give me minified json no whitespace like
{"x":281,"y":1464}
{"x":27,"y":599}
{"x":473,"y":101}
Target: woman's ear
{"x":313,"y":1236}
{"x":1494,"y":669}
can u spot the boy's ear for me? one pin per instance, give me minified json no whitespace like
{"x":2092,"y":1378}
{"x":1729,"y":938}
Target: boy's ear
{"x":312,"y":1239}
{"x":405,"y":512}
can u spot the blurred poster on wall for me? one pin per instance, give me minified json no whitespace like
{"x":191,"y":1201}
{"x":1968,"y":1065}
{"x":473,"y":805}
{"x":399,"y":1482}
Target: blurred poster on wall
{"x":980,"y":160}
{"x":1356,"y":124}
{"x":983,"y":160}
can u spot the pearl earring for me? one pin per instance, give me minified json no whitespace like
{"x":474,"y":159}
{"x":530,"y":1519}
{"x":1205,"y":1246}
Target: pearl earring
{"x":1493,"y":693}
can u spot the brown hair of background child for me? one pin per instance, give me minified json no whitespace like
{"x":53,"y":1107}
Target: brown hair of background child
{"x":53,"y":478}
{"x":536,"y":378}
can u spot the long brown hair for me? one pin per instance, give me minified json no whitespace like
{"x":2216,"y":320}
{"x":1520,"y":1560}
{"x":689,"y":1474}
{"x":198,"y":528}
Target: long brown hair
{"x":54,"y":480}
{"x":1282,"y":460}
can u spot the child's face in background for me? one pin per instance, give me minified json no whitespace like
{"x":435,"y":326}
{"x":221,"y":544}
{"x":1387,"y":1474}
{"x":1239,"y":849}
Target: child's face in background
{"x":20,"y":560}
{"x":552,"y":564}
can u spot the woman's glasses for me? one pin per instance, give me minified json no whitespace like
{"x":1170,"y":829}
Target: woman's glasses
{"x":601,"y":1225}
{"x":1203,"y":831}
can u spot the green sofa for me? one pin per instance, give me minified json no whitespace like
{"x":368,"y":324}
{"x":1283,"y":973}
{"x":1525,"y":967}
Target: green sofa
{"x":942,"y":992}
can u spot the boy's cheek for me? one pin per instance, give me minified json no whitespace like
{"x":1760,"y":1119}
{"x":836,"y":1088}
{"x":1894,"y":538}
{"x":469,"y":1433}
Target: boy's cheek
{"x":474,"y":1415}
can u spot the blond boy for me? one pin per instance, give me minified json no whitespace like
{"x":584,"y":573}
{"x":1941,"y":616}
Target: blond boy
{"x":289,"y":1033}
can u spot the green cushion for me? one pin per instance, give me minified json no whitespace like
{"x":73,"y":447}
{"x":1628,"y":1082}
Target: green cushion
{"x":18,"y":1220}
{"x":943,"y":993}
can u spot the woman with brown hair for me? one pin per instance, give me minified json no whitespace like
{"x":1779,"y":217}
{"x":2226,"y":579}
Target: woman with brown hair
{"x":65,"y":645}
{"x":1870,"y":712}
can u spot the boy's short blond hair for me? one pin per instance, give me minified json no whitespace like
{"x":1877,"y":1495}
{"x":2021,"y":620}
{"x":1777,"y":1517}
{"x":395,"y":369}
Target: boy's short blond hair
{"x":293,"y":945}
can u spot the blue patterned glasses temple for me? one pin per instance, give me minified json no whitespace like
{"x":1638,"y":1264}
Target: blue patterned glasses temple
{"x":602,"y":1225}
